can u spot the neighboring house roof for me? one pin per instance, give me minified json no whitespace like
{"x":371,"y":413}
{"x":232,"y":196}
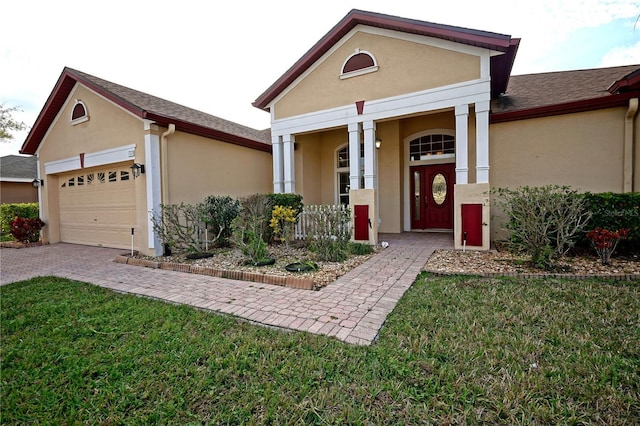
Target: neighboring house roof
{"x":501,"y":65}
{"x":144,"y":106}
{"x":551,"y":93}
{"x":18,"y":168}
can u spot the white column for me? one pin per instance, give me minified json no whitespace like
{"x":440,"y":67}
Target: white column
{"x":278,"y":168}
{"x":154,"y":189}
{"x":482,"y":142}
{"x":288,"y":142}
{"x":462,"y":144}
{"x":370,"y":174}
{"x":354,"y":156}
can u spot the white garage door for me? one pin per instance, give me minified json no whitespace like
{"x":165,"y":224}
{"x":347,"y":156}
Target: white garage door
{"x":97,"y":206}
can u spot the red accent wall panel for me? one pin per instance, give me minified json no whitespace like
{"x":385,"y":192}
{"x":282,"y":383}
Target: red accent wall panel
{"x":361,"y":219}
{"x":472,"y":224}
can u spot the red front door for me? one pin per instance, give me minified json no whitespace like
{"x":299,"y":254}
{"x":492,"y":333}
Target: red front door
{"x":432,"y":196}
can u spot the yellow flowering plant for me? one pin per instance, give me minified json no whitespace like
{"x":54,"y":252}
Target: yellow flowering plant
{"x":283,"y":219}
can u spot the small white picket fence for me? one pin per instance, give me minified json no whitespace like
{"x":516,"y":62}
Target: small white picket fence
{"x":306,"y":224}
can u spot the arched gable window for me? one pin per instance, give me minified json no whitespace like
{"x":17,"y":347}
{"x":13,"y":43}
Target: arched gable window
{"x":79,"y":113}
{"x":360,"y":62}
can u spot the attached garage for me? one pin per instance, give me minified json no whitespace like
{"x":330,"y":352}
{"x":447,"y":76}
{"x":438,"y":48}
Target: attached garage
{"x":92,"y":134}
{"x":97,"y":206}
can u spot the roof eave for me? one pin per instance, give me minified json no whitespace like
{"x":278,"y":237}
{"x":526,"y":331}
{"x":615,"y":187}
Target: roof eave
{"x":194,"y":129}
{"x":564,"y":108}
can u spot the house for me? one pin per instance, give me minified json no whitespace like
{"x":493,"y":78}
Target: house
{"x":109,"y":156}
{"x":410,"y":123}
{"x":17,"y":173}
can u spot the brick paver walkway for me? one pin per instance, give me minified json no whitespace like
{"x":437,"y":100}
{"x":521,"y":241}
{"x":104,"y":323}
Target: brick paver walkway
{"x":352,"y":309}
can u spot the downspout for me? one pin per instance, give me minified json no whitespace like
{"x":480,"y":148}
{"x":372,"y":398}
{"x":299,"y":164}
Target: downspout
{"x":628,"y":166}
{"x":164,"y":161}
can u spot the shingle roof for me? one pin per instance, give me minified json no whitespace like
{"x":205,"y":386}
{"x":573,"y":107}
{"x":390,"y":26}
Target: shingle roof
{"x":532,"y":91}
{"x":18,"y":167}
{"x":145,"y":106}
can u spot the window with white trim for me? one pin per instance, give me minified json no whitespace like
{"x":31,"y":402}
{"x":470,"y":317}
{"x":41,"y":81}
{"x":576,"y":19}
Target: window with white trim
{"x":432,"y":145}
{"x":358,"y":63}
{"x":79,"y":113}
{"x":343,"y":181}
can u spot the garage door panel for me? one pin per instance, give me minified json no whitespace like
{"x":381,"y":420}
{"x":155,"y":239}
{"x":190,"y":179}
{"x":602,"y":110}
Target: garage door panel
{"x":97,"y":207}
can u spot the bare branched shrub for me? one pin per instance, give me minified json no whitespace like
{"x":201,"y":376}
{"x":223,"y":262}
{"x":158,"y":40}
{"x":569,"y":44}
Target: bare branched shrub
{"x":193,"y":227}
{"x":543,"y":221}
{"x":180,"y":226}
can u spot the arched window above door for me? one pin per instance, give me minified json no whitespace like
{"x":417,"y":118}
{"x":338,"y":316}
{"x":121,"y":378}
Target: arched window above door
{"x":432,"y":145}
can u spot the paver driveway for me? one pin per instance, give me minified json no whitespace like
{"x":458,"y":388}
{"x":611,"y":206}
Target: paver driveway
{"x":352,"y":309}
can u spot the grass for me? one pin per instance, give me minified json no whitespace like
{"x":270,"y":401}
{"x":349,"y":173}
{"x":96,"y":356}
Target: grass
{"x":455,"y":350}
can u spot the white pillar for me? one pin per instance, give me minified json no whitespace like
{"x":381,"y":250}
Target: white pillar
{"x":462,"y":144}
{"x":354,"y":156}
{"x":370,"y":174}
{"x":288,"y":146}
{"x":278,"y":168}
{"x":482,"y":142}
{"x":154,"y":188}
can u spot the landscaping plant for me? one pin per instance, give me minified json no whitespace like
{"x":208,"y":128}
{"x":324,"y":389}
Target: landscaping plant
{"x":25,"y":229}
{"x":544,"y":222}
{"x":329,"y":231}
{"x":10,"y":211}
{"x":615,"y":211}
{"x":283,"y":221}
{"x":217,"y":213}
{"x":250,"y":227}
{"x":605,"y":242}
{"x":180,"y":226}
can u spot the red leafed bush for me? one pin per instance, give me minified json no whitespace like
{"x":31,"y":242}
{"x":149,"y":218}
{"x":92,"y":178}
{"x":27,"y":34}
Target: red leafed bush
{"x":605,"y":242}
{"x":26,"y":230}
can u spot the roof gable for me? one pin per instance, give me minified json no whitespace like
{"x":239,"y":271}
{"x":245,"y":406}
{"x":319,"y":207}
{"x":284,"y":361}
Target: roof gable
{"x":144,"y":106}
{"x":501,"y":65}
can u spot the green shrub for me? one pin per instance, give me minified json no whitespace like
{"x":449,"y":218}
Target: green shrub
{"x":286,"y":200}
{"x":360,"y":249}
{"x":217,"y":213}
{"x":545,"y":221}
{"x":10,"y":211}
{"x":250,"y":226}
{"x":615,"y":211}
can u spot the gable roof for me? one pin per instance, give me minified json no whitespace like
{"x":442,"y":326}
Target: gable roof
{"x":18,"y":167}
{"x":501,"y":65}
{"x":551,"y":93}
{"x":144,"y":106}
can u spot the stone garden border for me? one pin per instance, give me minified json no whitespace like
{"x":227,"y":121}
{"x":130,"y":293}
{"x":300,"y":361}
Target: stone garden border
{"x":256,"y":277}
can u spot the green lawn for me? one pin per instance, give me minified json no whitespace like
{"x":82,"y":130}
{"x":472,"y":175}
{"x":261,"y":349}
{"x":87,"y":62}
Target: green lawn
{"x":455,"y":350}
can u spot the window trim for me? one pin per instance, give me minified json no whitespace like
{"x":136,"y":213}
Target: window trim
{"x":82,"y":118}
{"x":447,"y":132}
{"x":361,"y":71}
{"x":337,"y":170}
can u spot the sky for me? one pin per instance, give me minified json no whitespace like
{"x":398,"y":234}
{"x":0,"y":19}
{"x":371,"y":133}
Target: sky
{"x":218,"y":57}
